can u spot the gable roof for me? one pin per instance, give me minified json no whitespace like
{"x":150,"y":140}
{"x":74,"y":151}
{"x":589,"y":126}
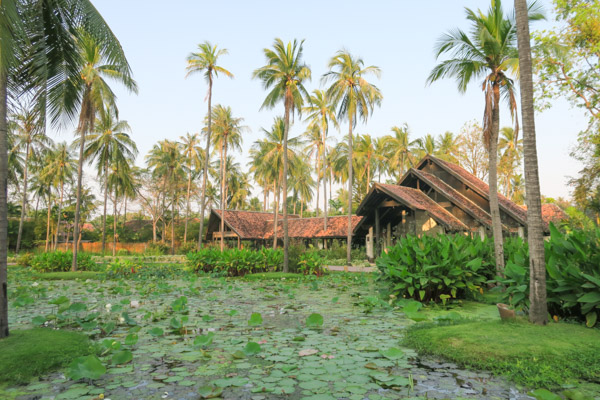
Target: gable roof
{"x":551,"y":213}
{"x":478,"y":186}
{"x":417,"y":200}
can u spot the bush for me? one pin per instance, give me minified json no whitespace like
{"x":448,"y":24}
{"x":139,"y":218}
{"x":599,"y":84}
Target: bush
{"x":311,"y":263}
{"x":235,"y":262}
{"x":436,"y":268}
{"x":157,"y":249}
{"x":295,"y":252}
{"x":136,"y":269}
{"x":187,"y":247}
{"x":25,"y":259}
{"x":572,"y":275}
{"x":57,"y":261}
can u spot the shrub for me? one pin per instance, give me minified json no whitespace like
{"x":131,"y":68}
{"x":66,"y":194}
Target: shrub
{"x":25,"y":259}
{"x":436,"y":268}
{"x":157,"y":249}
{"x":235,"y":262}
{"x":135,"y":269}
{"x":311,"y":263}
{"x":295,"y":252}
{"x":56,"y":261}
{"x":187,"y":247}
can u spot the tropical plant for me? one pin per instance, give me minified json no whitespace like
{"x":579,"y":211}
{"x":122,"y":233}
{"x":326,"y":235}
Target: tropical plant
{"x":235,"y":262}
{"x":488,"y":52}
{"x":285,"y":74}
{"x":205,"y":60}
{"x":354,"y":97}
{"x":401,"y":151}
{"x":60,"y":261}
{"x":194,"y":157}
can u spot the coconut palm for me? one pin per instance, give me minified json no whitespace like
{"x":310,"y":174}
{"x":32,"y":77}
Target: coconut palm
{"x":30,"y":138}
{"x":366,"y":156}
{"x":302,"y":183}
{"x":120,"y":181}
{"x":96,"y":64}
{"x":448,"y":147}
{"x":194,"y":158}
{"x":284,"y":74}
{"x":313,"y":149}
{"x":228,"y":132}
{"x":355,"y":98}
{"x":401,"y":151}
{"x":489,"y":53}
{"x":320,"y":112}
{"x":205,"y":60}
{"x":109,"y":144}
{"x":538,"y":310}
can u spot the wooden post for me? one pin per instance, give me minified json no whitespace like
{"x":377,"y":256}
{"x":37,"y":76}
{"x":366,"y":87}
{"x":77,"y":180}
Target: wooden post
{"x":482,"y":232}
{"x":388,"y":241}
{"x":521,"y":232}
{"x":370,"y":255}
{"x":239,"y":243}
{"x":377,"y":233}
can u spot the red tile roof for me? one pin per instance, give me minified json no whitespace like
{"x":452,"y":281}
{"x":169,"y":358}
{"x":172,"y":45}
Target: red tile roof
{"x":551,"y":213}
{"x":418,"y":200}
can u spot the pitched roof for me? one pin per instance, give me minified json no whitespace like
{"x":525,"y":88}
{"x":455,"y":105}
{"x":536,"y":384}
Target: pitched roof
{"x":454,"y":196}
{"x":259,"y":225}
{"x":479,"y":186}
{"x":553,"y":213}
{"x":418,"y":200}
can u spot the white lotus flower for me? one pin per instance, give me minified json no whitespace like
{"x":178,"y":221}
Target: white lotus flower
{"x":108,"y":307}
{"x":35,"y":284}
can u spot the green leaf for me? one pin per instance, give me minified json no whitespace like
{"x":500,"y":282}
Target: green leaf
{"x":210,"y":392}
{"x":543,"y":394}
{"x":131,"y":339}
{"x":204,"y":340}
{"x":156,"y":332}
{"x":122,"y":357}
{"x":38,"y":320}
{"x":88,"y":367}
{"x":252,"y":348}
{"x":590,"y":319}
{"x":59,"y":300}
{"x":314,"y":320}
{"x":392,"y":353}
{"x":591,"y":297}
{"x":255,"y":319}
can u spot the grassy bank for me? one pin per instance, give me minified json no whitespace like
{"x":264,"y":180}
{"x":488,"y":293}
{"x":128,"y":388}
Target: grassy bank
{"x":530,"y":355}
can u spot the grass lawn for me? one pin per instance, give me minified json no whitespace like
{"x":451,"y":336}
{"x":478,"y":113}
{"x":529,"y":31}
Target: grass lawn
{"x":535,"y":356}
{"x":69,"y":275}
{"x":33,"y":352}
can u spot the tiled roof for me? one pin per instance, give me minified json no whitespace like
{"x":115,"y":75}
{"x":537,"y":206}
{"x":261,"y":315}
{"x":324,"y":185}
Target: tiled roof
{"x":454,"y":196}
{"x":416,"y":199}
{"x":551,"y":213}
{"x":480,"y":186}
{"x":259,"y":225}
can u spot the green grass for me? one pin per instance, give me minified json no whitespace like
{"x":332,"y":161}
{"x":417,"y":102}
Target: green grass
{"x":534,"y":356}
{"x":69,"y":275}
{"x":34,"y":352}
{"x":272,"y":275}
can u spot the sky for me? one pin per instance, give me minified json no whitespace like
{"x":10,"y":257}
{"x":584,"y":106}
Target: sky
{"x":397,"y":36}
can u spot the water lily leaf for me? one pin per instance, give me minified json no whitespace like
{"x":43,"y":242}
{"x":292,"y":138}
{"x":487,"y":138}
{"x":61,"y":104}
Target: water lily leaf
{"x":307,"y":352}
{"x":543,"y":394}
{"x":239,"y":355}
{"x":38,"y":320}
{"x":209,"y":392}
{"x":89,"y":367}
{"x":204,"y":340}
{"x":131,"y":339}
{"x":255,"y":319}
{"x":252,"y":348}
{"x":314,"y":320}
{"x":392,"y":353}
{"x":156,"y":332}
{"x":77,"y":307}
{"x":59,"y":300}
{"x":122,"y":357}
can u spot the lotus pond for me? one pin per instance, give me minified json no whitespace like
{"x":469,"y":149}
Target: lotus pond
{"x":201,"y":337}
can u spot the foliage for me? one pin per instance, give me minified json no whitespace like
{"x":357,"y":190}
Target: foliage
{"x":311,"y":263}
{"x":572,"y":275}
{"x":30,"y":353}
{"x":157,"y":249}
{"x":535,"y":356}
{"x":435,"y":268}
{"x":25,"y":259}
{"x":135,"y":269}
{"x":57,"y":261}
{"x":235,"y":262}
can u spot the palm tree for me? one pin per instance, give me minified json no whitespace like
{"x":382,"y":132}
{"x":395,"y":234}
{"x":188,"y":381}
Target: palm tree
{"x":489,"y":52}
{"x":321,"y":111}
{"x":401,"y":150}
{"x":205,"y":60}
{"x":194,"y":157}
{"x":538,"y":311}
{"x":313,"y":148}
{"x":366,"y":156}
{"x":109,"y":144}
{"x":228,"y":132}
{"x":448,"y":147}
{"x":302,"y":183}
{"x":354,"y":97}
{"x":97,"y":62}
{"x":31,"y":138}
{"x":285,"y":74}
{"x":120,"y":181}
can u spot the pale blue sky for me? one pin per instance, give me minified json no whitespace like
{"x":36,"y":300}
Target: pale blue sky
{"x":398,"y":36}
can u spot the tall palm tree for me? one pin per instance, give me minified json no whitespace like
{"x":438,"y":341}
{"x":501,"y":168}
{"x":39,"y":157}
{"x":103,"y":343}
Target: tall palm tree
{"x":228,"y":132}
{"x":194,"y":158}
{"x":30,"y":138}
{"x":205,"y":60}
{"x":313,"y":148}
{"x":96,"y":64}
{"x":284,"y":74}
{"x":538,"y":309}
{"x":321,"y":111}
{"x":448,"y":147}
{"x":302,"y":183}
{"x":489,"y":52}
{"x":354,"y":97}
{"x":109,"y":144}
{"x":401,"y":151}
{"x":366,"y":157}
{"x":120,"y":180}
{"x":510,"y":151}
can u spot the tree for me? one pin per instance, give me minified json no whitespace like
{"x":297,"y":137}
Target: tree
{"x":366,"y":156}
{"x":401,"y":151}
{"x":302,"y":183}
{"x":489,"y":52}
{"x":448,"y":147}
{"x":121,"y":182}
{"x":97,"y":63}
{"x":31,"y":138}
{"x":472,"y":154}
{"x":205,"y":60}
{"x":538,"y":310}
{"x":354,"y":97}
{"x":228,"y":132}
{"x":109,"y":144}
{"x":510,"y":151}
{"x":194,"y":158}
{"x":321,"y":111}
{"x":285,"y":74}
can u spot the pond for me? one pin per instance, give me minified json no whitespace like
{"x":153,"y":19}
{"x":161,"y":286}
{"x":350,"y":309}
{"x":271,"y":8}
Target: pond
{"x":200,"y":337}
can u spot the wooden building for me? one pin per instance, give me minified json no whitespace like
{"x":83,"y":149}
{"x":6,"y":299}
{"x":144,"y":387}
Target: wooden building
{"x":434,"y":197}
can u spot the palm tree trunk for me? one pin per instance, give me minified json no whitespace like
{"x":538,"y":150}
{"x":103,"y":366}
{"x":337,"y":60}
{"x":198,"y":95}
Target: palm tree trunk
{"x":114,"y":249}
{"x":49,"y":204}
{"x":187,"y":207}
{"x":286,"y":238}
{"x":265,"y":199}
{"x":349,"y":240}
{"x":3,"y":205}
{"x":206,"y":161}
{"x":317,"y":159}
{"x":538,"y":311}
{"x":105,"y":203}
{"x":173,"y":224}
{"x":24,"y":200}
{"x":60,"y":203}
{"x":493,"y":181}
{"x":301,"y":208}
{"x":223,"y":198}
{"x":324,"y":167}
{"x":154,"y":223}
{"x":275,"y":211}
